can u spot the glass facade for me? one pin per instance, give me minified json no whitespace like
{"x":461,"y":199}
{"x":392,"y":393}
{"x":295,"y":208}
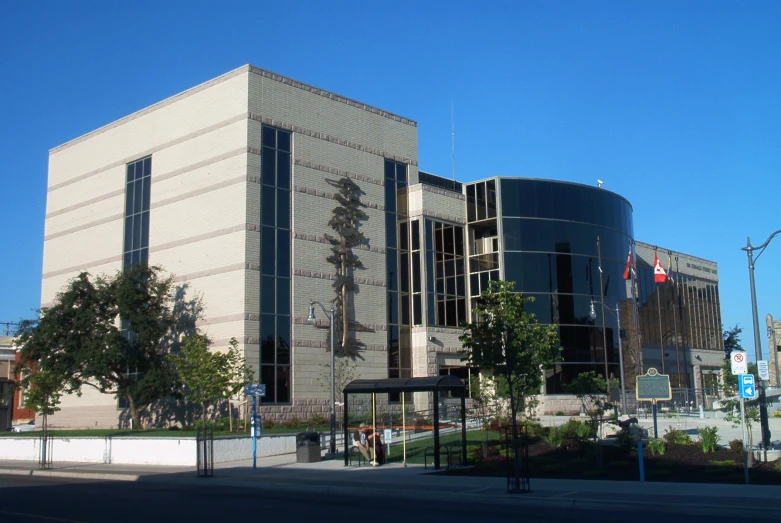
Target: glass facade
{"x":445,"y":272}
{"x":275,"y":341}
{"x":137,"y":191}
{"x":400,"y":286}
{"x":548,"y":247}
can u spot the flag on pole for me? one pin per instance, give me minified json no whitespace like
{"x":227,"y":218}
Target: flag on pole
{"x":659,"y":275}
{"x":670,"y":270}
{"x":628,"y":268}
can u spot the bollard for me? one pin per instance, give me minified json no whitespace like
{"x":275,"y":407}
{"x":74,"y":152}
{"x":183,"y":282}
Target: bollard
{"x":640,"y":460}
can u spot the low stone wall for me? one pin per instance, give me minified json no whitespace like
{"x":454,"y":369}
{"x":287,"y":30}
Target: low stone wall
{"x":551,"y":404}
{"x":143,"y":451}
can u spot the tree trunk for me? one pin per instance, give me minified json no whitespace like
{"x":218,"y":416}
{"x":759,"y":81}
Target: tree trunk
{"x":230,"y":417}
{"x":345,"y":314}
{"x":135,"y":414}
{"x":203,"y":406}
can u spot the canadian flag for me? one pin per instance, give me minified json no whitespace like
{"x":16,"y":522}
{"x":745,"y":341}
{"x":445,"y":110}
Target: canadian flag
{"x":628,"y":267}
{"x":660,"y":275}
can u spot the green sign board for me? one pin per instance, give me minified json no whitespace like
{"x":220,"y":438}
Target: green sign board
{"x":653,"y":386}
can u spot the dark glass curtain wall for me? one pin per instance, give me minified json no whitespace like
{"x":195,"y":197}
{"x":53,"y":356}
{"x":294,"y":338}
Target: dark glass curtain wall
{"x":549,"y":236}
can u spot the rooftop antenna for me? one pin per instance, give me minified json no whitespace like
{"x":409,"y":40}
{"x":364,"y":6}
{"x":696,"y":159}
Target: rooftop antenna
{"x":453,"y":136}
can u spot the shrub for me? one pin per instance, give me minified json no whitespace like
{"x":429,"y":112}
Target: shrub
{"x":560,"y":413}
{"x":318,"y":419}
{"x":736,"y":446}
{"x":292,"y":423}
{"x":268,"y":424}
{"x":554,"y":437}
{"x":777,"y":466}
{"x":777,"y":414}
{"x":709,"y":438}
{"x":626,"y":441}
{"x":722,"y":463}
{"x":674,"y":436}
{"x":656,"y":447}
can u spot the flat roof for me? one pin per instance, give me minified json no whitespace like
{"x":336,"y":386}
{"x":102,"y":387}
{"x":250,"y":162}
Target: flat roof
{"x":427,"y":384}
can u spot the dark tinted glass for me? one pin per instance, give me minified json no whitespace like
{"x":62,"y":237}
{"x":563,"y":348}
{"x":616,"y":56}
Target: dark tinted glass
{"x":267,"y":293}
{"x":390,"y":229}
{"x":393,"y":270}
{"x":283,"y":253}
{"x":267,"y":166}
{"x":283,"y":384}
{"x":403,"y":237}
{"x":283,"y":170}
{"x":267,"y":374}
{"x":267,"y":207}
{"x":393,"y":307}
{"x":269,"y":137}
{"x":283,"y":296}
{"x":415,"y":234}
{"x":267,"y":250}
{"x":390,"y":170}
{"x":283,"y":209}
{"x":267,"y":339}
{"x":283,"y":141}
{"x":283,"y":339}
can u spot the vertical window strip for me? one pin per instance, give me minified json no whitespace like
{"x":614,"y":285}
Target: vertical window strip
{"x":275,"y":324}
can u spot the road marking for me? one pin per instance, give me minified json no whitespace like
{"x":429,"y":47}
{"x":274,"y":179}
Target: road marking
{"x":36,"y":516}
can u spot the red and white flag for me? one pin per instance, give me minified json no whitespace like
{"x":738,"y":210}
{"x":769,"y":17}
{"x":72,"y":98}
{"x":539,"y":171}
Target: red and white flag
{"x":660,"y":275}
{"x":628,"y":268}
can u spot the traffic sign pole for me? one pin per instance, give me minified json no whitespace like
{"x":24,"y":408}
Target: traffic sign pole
{"x":254,"y":431}
{"x":743,"y":426}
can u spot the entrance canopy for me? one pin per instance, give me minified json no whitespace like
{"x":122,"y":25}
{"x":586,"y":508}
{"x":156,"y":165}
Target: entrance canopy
{"x":395,"y":385}
{"x":400,"y":386}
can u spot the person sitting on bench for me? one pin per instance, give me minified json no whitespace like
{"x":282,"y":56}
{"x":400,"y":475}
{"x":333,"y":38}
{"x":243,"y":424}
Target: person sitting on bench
{"x":361,"y":441}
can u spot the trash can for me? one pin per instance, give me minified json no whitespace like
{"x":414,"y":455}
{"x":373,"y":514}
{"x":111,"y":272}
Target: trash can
{"x":307,"y":447}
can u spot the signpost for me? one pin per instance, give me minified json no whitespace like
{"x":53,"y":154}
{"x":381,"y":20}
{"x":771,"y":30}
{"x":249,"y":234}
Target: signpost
{"x":387,"y":436}
{"x":255,"y":390}
{"x":738,"y":362}
{"x":747,"y":390}
{"x":764,"y":370}
{"x":653,"y":387}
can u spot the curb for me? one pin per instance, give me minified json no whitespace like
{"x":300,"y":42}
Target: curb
{"x":481,"y":495}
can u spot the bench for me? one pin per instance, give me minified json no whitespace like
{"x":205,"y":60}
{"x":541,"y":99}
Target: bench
{"x":355,"y":452}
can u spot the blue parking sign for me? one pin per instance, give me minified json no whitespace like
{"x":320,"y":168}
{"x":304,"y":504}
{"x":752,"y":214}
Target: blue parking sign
{"x":748,"y":389}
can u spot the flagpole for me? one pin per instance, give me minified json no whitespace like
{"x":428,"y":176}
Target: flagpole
{"x":659,"y":308}
{"x":602,"y":302}
{"x":675,"y":322}
{"x":639,"y":367}
{"x":679,"y":300}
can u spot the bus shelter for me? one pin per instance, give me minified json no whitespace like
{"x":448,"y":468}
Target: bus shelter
{"x":434,"y":384}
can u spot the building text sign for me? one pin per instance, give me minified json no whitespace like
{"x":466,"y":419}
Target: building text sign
{"x":653,"y":386}
{"x":764,"y":370}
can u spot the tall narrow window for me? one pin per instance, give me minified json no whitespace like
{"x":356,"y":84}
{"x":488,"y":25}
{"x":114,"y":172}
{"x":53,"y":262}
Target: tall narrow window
{"x":138,"y":181}
{"x":275,"y":331}
{"x":400,"y":284}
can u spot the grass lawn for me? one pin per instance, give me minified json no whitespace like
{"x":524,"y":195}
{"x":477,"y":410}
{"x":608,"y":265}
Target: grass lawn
{"x":417,"y":448}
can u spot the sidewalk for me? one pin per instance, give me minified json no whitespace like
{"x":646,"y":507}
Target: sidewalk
{"x":282,"y":474}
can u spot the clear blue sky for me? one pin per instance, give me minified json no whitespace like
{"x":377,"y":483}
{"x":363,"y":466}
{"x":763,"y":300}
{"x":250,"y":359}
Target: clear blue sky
{"x":675,"y":105}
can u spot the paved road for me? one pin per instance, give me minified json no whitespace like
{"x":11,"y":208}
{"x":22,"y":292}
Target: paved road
{"x":30,"y":499}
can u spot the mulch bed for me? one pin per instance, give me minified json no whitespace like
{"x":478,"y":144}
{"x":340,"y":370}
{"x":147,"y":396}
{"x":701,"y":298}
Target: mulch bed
{"x":680,"y":463}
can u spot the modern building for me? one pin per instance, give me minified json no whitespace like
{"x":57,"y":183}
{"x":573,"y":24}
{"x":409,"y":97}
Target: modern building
{"x":235,"y":186}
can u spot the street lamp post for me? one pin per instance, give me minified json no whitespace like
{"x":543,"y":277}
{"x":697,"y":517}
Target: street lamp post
{"x":311,"y":319}
{"x":617,"y":312}
{"x":757,"y":344}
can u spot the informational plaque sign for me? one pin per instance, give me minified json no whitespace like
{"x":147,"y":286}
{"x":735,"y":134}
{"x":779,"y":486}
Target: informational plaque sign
{"x":653,"y":387}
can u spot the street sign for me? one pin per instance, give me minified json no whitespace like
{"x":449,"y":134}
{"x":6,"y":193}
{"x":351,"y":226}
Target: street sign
{"x":255,"y":389}
{"x":764,"y":370}
{"x":386,"y":436}
{"x":748,"y":389}
{"x":739,"y":363}
{"x":653,"y":386}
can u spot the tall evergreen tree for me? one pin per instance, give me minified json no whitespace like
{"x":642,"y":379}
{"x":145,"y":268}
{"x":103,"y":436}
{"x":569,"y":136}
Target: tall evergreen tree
{"x":345,"y":221}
